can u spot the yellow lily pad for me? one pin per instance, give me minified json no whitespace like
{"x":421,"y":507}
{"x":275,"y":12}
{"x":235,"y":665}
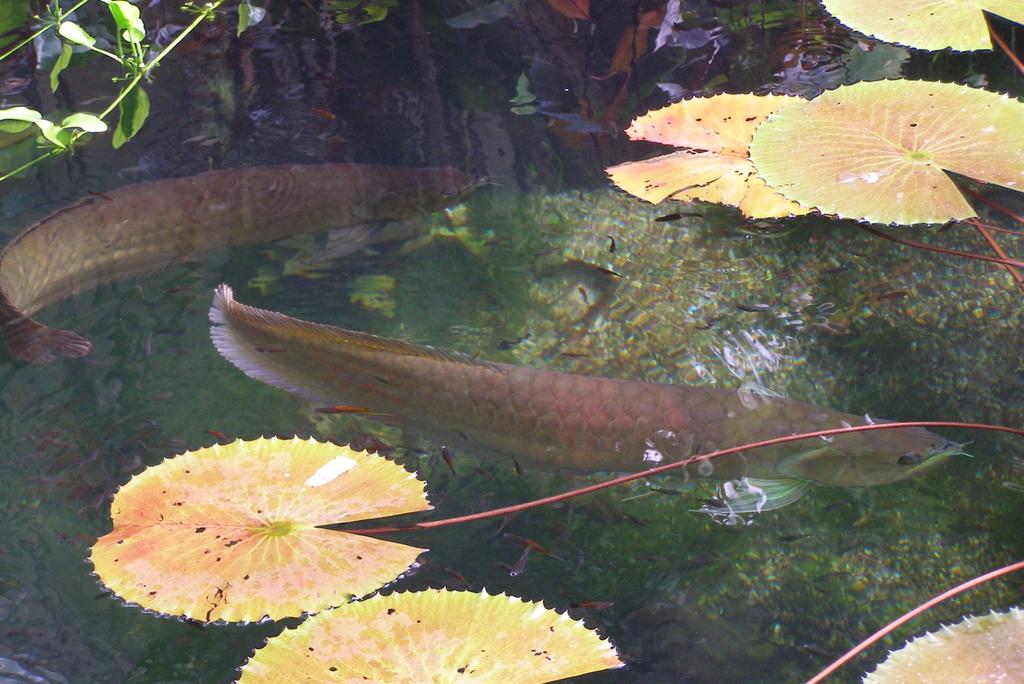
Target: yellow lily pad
{"x":230,"y":532}
{"x":433,"y":636}
{"x":715,"y":166}
{"x":987,"y":648}
{"x":877,"y":151}
{"x":926,"y":24}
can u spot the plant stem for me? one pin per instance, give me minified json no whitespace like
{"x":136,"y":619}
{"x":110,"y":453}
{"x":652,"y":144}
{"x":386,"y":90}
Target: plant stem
{"x":32,"y":162}
{"x":942,"y":250}
{"x":675,"y":465}
{"x":38,"y":33}
{"x":987,"y":236}
{"x":998,"y":40}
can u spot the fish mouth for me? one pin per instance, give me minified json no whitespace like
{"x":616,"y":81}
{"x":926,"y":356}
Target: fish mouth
{"x":937,"y":457}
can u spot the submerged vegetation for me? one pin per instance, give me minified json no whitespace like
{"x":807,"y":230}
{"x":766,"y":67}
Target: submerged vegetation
{"x":554,"y":316}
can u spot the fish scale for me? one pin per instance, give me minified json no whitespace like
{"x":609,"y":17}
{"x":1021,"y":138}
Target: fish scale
{"x":559,"y":420}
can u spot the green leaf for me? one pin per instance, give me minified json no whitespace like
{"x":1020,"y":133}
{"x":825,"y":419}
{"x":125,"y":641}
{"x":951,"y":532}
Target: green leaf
{"x":134,"y":109}
{"x":61,"y":63}
{"x":249,"y":15}
{"x":20,"y":114}
{"x":54,"y":133}
{"x":75,"y":33}
{"x":126,"y":16}
{"x":14,"y":126}
{"x":90,"y":123}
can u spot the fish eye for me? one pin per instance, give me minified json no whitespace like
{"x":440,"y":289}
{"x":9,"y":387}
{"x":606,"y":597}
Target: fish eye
{"x":910,"y":459}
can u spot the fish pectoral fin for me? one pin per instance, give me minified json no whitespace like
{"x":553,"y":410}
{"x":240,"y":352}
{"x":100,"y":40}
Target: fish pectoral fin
{"x":754,"y":495}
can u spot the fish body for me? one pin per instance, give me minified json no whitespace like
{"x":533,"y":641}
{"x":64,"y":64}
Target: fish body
{"x":145,"y":227}
{"x":563,"y":420}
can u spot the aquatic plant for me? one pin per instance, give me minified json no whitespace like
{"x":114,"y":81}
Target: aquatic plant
{"x":132,"y":55}
{"x":878,"y":151}
{"x":715,"y":165}
{"x":926,"y":24}
{"x":434,"y":635}
{"x":233,"y":532}
{"x":773,"y":157}
{"x":236,"y":532}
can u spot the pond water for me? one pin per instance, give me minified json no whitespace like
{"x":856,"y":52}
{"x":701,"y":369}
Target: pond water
{"x":534,"y":101}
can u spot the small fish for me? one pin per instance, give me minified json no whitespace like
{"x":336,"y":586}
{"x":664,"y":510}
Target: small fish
{"x":180,"y":288}
{"x":611,"y":244}
{"x":219,"y":436}
{"x":567,"y":421}
{"x":520,"y":566}
{"x":889,"y":296}
{"x":324,"y":114}
{"x":143,"y":228}
{"x":458,"y":575}
{"x":527,"y":543}
{"x":754,"y":308}
{"x":505,"y":345}
{"x":342,"y":408}
{"x":446,"y":454}
{"x":608,"y":271}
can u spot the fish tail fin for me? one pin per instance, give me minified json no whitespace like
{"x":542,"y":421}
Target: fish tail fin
{"x":223,"y":335}
{"x":228,"y":338}
{"x":34,"y":342}
{"x":223,"y":297}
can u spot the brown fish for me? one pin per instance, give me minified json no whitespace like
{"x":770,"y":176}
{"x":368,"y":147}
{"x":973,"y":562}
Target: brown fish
{"x":568,"y":421}
{"x":145,"y":227}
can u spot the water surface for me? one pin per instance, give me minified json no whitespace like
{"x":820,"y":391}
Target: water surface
{"x":813,"y":309}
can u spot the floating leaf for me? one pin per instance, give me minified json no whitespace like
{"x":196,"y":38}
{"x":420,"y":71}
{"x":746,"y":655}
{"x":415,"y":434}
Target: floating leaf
{"x":75,"y":33}
{"x":87,"y":122}
{"x":133,"y":111}
{"x":716,"y":167}
{"x":231,"y":532}
{"x":433,"y":636}
{"x":926,"y":24}
{"x":989,"y":648}
{"x":876,"y":151}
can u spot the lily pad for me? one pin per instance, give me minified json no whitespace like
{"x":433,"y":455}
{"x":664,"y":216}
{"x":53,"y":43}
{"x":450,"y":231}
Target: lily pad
{"x":987,"y":648}
{"x":230,"y":532}
{"x":926,"y":24}
{"x":877,"y":151}
{"x":433,"y":636}
{"x":715,"y":167}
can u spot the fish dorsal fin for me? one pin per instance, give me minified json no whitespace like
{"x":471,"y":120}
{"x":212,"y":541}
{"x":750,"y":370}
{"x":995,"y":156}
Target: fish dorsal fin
{"x":226,"y":310}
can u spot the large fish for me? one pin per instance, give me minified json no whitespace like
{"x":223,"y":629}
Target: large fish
{"x":145,"y":227}
{"x":568,"y":421}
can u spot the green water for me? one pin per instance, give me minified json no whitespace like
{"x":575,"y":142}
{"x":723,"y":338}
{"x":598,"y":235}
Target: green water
{"x":844,"y":320}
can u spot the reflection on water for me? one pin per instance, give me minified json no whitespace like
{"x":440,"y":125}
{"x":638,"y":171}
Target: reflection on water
{"x":545,"y":266}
